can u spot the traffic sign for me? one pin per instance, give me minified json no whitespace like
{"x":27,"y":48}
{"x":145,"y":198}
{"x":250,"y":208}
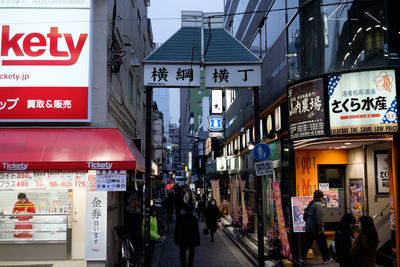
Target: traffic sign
{"x":261,"y":152}
{"x":263,"y":168}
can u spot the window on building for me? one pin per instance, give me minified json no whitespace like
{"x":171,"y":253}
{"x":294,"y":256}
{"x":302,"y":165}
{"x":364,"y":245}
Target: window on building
{"x":200,"y":91}
{"x":237,"y":18}
{"x":275,"y":22}
{"x":199,"y":119}
{"x":258,"y":44}
{"x":200,"y":103}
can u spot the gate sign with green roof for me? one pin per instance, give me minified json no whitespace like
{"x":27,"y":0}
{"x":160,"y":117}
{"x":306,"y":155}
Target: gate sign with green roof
{"x":202,"y":42}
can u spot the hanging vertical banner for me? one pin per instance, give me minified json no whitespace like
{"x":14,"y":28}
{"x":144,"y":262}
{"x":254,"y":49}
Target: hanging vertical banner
{"x":356,"y":199}
{"x":245,"y":218}
{"x":281,"y":222}
{"x":299,"y":204}
{"x":96,"y":226}
{"x":234,"y":200}
{"x":215,"y":190}
{"x":216,"y":100}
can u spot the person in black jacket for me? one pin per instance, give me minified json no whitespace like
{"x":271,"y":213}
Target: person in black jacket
{"x":212,"y":216}
{"x":344,"y":237}
{"x":187,"y":235}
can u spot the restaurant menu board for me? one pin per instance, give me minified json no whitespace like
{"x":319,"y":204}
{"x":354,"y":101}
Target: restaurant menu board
{"x":298,"y":206}
{"x":114,"y":180}
{"x":306,"y":109}
{"x":18,"y":181}
{"x":363,"y":102}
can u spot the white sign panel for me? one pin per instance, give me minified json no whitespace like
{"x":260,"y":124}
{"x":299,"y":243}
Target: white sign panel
{"x":114,"y":180}
{"x":96,"y":226}
{"x":177,"y":75}
{"x":382,"y":173}
{"x":44,"y":61}
{"x":221,"y":164}
{"x":215,"y":134}
{"x":233,"y":76}
{"x":264,"y":168}
{"x":363,"y":102}
{"x":216,"y":100}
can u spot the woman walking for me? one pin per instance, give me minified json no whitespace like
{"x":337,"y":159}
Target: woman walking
{"x":344,"y":238}
{"x":364,"y":248}
{"x":212,"y":217}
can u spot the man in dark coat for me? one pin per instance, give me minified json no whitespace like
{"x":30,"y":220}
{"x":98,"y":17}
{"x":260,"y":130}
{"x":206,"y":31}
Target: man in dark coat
{"x":212,"y":216}
{"x":315,"y":229}
{"x":187,"y":235}
{"x":201,"y":204}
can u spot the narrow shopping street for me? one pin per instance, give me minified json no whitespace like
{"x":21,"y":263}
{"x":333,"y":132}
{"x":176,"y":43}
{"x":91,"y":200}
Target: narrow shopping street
{"x":221,"y":253}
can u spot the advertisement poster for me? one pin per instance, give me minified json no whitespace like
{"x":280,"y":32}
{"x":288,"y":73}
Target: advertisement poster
{"x":281,"y":222}
{"x":382,"y":172}
{"x":306,"y":109}
{"x":215,"y":191}
{"x":298,"y":206}
{"x":363,"y":102}
{"x":324,"y":187}
{"x":245,"y":218}
{"x":356,"y":199}
{"x":114,"y":180}
{"x":44,"y":61}
{"x":96,"y":226}
{"x":221,"y":164}
{"x":332,"y":198}
{"x":392,"y":214}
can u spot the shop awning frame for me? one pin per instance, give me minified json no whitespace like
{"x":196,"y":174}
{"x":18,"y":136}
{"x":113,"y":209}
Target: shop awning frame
{"x":30,"y":149}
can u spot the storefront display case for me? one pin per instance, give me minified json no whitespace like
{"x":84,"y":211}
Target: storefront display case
{"x":31,"y":228}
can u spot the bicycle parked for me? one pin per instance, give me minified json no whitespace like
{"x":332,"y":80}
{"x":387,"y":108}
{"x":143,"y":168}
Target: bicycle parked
{"x":128,"y":254}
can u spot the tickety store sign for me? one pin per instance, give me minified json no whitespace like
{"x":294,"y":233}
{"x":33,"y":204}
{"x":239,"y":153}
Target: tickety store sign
{"x":363,"y":102}
{"x":188,"y":75}
{"x":44,"y":61}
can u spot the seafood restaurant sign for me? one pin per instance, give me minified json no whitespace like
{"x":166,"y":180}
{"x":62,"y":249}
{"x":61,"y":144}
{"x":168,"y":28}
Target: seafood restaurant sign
{"x":44,"y":61}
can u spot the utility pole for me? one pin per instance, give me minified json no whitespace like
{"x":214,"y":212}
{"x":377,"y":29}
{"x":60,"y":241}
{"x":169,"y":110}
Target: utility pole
{"x":149,"y":124}
{"x":259,"y":182}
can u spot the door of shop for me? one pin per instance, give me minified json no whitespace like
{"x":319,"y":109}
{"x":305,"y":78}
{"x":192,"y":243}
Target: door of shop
{"x":334,"y":175}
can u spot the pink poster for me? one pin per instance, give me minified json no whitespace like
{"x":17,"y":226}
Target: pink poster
{"x":281,"y":222}
{"x":245,"y":219}
{"x":215,"y":190}
{"x":234,"y":200}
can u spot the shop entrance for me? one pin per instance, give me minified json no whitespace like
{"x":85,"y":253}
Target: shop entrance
{"x":334,"y":176}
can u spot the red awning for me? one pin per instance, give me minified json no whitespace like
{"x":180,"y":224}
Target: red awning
{"x":68,"y":149}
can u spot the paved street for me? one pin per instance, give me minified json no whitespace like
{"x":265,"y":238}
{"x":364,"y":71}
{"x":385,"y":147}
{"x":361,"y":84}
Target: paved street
{"x":221,"y":253}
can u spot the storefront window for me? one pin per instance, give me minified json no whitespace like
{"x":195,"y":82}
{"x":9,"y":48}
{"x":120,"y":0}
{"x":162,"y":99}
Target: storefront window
{"x":331,"y":38}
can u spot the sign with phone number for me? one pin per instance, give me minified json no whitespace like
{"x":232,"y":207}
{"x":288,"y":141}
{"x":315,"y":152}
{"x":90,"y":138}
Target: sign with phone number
{"x":15,"y":181}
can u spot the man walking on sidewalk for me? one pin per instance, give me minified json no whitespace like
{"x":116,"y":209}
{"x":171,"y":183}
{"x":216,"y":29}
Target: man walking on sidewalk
{"x":187,"y":235}
{"x":314,"y":227}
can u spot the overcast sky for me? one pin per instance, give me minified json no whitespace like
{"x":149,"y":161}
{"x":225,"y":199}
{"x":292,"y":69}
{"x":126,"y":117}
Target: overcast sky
{"x":165,"y":18}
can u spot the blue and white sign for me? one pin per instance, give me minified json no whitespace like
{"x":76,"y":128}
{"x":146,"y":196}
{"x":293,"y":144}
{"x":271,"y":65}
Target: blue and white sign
{"x":215,"y":123}
{"x":261,"y":152}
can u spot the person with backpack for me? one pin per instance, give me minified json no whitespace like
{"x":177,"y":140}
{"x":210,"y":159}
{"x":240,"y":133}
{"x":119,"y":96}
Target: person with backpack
{"x":343,"y":240}
{"x":314,"y":228}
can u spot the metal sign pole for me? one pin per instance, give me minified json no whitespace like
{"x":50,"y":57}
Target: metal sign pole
{"x":259,"y":188}
{"x":149,"y":121}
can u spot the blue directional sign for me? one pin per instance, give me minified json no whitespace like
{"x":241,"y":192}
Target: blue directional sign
{"x":261,"y":152}
{"x":215,"y":123}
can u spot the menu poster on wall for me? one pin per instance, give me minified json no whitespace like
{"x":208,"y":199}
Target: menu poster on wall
{"x":356,"y":198}
{"x":298,"y":206}
{"x":332,"y":198}
{"x":17,"y":181}
{"x":114,"y":180}
{"x":306,"y":109}
{"x":363,"y":102}
{"x":96,"y":226}
{"x":382,"y":174}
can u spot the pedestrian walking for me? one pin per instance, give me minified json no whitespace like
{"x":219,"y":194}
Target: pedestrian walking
{"x":363,"y":251}
{"x":178,"y":201}
{"x":187,"y":236}
{"x":154,"y":236}
{"x":212,"y":216}
{"x":189,"y":199}
{"x":314,"y":228}
{"x":170,"y":205}
{"x":344,"y":238}
{"x":201,"y":204}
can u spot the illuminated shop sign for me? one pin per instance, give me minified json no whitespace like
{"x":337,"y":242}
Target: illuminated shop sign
{"x":306,"y":109}
{"x":44,"y":61}
{"x":363,"y":102}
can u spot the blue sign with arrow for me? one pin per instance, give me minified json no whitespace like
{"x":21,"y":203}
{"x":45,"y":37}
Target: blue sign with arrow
{"x":261,"y":152}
